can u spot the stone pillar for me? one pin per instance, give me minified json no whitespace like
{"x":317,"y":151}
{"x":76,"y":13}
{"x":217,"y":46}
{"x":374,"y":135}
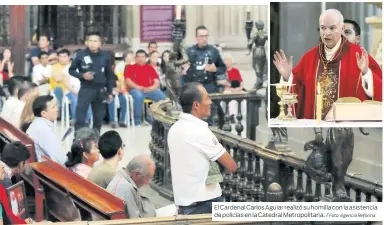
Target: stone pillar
{"x":376,"y":23}
{"x":191,"y":12}
{"x":127,"y":14}
{"x":209,"y":18}
{"x":115,"y":21}
{"x":136,"y":27}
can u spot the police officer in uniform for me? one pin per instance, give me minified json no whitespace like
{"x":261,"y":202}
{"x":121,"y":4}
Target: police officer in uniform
{"x":93,"y":68}
{"x":206,"y":66}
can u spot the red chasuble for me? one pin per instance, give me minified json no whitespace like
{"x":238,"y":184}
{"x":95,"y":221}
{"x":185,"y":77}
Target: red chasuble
{"x":343,"y":79}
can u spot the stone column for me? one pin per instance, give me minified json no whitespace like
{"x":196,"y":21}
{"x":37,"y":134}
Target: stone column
{"x":135,"y":27}
{"x":376,"y":23}
{"x":128,"y":21}
{"x":210,"y":21}
{"x":191,"y":12}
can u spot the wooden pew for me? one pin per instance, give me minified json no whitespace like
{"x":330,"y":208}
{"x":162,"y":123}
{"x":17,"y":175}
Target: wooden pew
{"x":10,"y":133}
{"x":87,"y":196}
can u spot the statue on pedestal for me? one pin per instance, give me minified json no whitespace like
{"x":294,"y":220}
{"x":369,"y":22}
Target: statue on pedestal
{"x":329,"y":161}
{"x":259,"y":58}
{"x":279,"y":140}
{"x":177,"y":58}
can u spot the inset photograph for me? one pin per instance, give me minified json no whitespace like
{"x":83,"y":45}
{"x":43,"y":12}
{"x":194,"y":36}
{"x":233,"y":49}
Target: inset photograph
{"x":325,"y":65}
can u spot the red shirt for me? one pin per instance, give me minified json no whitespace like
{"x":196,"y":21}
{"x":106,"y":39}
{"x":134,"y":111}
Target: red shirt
{"x":7,"y":209}
{"x":144,"y":75}
{"x":234,"y":74}
{"x":5,"y":75}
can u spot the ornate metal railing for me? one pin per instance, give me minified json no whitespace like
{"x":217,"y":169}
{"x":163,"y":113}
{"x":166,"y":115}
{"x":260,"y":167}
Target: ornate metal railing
{"x":258,"y":167}
{"x":253,"y":104}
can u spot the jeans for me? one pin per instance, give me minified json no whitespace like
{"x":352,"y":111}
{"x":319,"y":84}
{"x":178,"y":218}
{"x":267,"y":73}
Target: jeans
{"x":73,"y":99}
{"x":123,"y":110}
{"x":138,"y":101}
{"x":59,"y":96}
{"x":200,"y":208}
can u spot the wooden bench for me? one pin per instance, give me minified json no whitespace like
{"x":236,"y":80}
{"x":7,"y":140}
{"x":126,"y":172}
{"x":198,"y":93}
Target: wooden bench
{"x":89,"y":198}
{"x":9,"y":133}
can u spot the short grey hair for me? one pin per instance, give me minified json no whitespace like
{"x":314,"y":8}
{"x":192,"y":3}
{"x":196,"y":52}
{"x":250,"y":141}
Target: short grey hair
{"x":228,"y":55}
{"x":140,"y":164}
{"x":87,"y":133}
{"x":334,"y":12}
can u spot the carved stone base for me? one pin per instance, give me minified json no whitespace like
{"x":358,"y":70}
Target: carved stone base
{"x":282,"y":147}
{"x":329,"y":198}
{"x":261,"y":91}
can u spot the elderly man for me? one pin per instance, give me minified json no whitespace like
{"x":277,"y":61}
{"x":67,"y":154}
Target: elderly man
{"x":126,"y":183}
{"x":338,"y":67}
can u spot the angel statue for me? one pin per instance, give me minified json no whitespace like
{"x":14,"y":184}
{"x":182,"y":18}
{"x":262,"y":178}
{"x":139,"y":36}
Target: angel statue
{"x":329,"y":160}
{"x":259,"y":57}
{"x":177,"y":58}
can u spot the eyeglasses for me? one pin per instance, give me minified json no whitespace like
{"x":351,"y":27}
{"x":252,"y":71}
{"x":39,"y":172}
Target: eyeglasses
{"x":123,"y":146}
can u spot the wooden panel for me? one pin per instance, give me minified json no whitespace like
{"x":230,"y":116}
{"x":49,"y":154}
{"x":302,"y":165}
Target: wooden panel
{"x":89,"y":193}
{"x":15,"y":134}
{"x":18,"y":36}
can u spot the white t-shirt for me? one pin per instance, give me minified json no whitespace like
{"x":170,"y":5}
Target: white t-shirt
{"x":38,"y":72}
{"x":191,"y":147}
{"x":12,"y":110}
{"x":74,"y":82}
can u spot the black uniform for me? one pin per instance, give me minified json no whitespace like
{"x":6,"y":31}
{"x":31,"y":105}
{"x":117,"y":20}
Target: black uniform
{"x":95,"y":91}
{"x":198,"y":58}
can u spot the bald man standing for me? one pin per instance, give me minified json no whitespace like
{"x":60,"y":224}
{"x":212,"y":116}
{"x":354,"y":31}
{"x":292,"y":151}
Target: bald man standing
{"x":339,"y":67}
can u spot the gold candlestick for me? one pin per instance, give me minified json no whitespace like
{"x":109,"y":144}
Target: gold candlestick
{"x":319,"y":104}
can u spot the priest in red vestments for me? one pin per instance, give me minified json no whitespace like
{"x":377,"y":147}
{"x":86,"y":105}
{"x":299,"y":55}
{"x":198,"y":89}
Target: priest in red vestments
{"x":341,"y":68}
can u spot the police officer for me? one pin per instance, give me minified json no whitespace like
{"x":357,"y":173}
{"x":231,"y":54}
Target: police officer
{"x":93,"y":68}
{"x":206,"y":66}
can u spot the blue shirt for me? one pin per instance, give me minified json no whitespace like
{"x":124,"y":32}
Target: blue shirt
{"x":46,"y":142}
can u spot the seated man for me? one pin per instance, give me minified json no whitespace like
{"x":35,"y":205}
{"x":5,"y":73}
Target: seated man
{"x":120,"y":90}
{"x":14,"y":158}
{"x":127,"y":182}
{"x":25,"y":90}
{"x":59,"y":71}
{"x":112,"y":149}
{"x":42,"y":131}
{"x":42,"y":73}
{"x":143,"y":81}
{"x":13,"y":100}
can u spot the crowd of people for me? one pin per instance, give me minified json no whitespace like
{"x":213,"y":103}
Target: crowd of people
{"x":95,"y":82}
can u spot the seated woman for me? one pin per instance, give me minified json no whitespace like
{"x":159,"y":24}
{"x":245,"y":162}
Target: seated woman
{"x":27,"y":115}
{"x":8,"y":217}
{"x":236,"y":86}
{"x":84,"y":153}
